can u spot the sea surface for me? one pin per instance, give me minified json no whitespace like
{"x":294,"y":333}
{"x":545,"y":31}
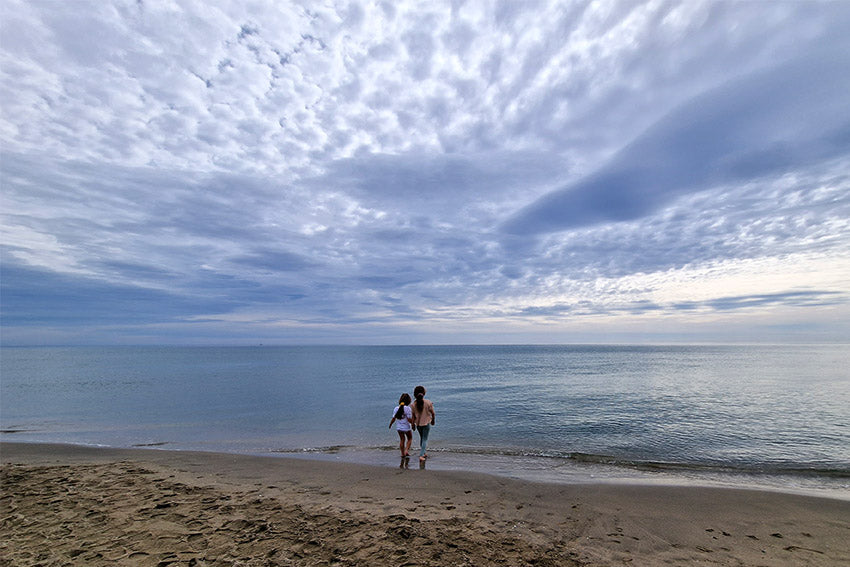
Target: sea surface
{"x":773,"y":417}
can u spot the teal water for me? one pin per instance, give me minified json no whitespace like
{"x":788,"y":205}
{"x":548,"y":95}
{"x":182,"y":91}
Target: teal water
{"x":777,"y":416}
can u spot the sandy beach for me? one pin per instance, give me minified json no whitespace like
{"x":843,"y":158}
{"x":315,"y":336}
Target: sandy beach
{"x":71,"y":505}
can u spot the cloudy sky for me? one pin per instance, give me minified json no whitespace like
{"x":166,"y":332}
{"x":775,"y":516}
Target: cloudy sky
{"x":193,"y":172}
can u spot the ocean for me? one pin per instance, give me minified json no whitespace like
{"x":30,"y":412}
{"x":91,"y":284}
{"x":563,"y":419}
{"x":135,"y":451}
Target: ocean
{"x":772,"y":417}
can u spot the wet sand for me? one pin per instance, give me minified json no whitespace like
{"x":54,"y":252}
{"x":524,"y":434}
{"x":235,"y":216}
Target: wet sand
{"x":70,"y":505}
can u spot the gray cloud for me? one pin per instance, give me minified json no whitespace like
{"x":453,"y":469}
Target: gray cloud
{"x":442,"y":181}
{"x":275,"y":260}
{"x":793,"y":298}
{"x":791,"y":117}
{"x":408,"y":170}
{"x":40,"y":297}
{"x":720,"y":304}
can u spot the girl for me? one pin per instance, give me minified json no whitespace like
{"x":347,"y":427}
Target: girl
{"x":403,"y":416}
{"x":423,"y":418}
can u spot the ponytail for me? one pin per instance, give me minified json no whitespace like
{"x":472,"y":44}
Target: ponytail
{"x":419,"y":392}
{"x":404,"y":400}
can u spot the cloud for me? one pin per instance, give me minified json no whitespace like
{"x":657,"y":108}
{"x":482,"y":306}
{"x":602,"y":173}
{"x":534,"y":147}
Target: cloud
{"x":395,"y":171}
{"x":274,"y":260}
{"x":445,"y":181}
{"x":791,"y":117}
{"x":794,"y":298}
{"x":40,"y":297}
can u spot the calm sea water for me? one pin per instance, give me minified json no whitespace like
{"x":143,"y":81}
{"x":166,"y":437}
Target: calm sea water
{"x":773,"y":416}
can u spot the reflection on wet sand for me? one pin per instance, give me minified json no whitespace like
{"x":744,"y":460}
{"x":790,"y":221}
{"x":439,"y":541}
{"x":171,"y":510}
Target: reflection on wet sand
{"x":405,"y":463}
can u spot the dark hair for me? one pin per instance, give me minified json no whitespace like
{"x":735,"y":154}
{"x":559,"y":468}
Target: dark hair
{"x":402,"y":401}
{"x":419,"y":392}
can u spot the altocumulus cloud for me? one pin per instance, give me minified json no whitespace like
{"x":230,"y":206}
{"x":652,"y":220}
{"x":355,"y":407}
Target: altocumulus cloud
{"x":373,"y":172}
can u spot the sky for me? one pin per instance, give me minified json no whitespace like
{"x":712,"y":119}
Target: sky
{"x":465,"y":172}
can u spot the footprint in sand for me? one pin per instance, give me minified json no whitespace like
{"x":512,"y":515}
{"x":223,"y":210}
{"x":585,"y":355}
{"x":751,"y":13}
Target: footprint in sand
{"x":798,"y":548}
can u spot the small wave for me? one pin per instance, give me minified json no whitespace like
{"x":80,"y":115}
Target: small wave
{"x":761,"y":469}
{"x":778,"y":469}
{"x":329,"y":449}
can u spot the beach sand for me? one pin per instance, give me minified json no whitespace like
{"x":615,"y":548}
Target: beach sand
{"x":70,"y":505}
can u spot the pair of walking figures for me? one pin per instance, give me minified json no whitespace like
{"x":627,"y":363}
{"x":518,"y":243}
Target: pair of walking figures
{"x":416,"y":416}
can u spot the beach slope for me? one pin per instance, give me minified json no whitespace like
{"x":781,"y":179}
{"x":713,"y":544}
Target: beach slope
{"x":70,"y":505}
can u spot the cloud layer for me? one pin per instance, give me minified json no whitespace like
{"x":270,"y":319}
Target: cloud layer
{"x":393,"y":172}
{"x":789,"y":118}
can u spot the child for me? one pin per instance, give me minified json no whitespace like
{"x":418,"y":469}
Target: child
{"x":403,"y":416}
{"x":423,"y":418}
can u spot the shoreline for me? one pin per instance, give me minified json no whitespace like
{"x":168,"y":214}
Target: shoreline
{"x":547,"y":469}
{"x":145,"y":506}
{"x":602,"y":470}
